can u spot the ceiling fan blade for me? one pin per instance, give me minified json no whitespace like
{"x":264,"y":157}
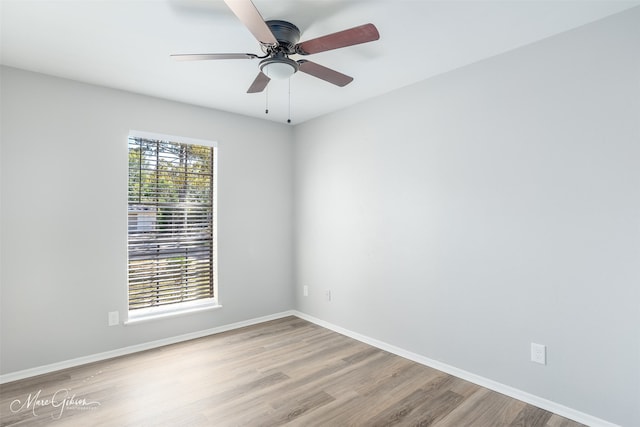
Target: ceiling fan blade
{"x":357,"y":35}
{"x":259,"y":83}
{"x":324,"y":73}
{"x":251,"y":18}
{"x":207,"y":56}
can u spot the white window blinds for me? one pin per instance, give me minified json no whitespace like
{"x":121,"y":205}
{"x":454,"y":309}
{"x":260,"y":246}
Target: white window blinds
{"x":170,"y":223}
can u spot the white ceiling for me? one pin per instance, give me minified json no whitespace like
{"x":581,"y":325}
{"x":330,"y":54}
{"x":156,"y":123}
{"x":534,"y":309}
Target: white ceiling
{"x":125,"y":44}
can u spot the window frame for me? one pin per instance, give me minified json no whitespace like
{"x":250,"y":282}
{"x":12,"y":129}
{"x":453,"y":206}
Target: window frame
{"x":180,"y":308}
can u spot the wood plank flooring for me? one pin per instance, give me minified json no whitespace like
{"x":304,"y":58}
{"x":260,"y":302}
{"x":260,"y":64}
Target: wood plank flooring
{"x":287,"y":371}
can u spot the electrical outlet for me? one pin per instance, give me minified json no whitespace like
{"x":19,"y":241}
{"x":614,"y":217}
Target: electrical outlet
{"x":305,"y":291}
{"x":539,"y":353}
{"x":327,"y":294}
{"x":114,"y":318}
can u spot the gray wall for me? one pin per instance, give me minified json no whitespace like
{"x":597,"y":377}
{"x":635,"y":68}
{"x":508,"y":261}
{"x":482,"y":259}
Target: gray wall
{"x":64,"y":175}
{"x":466,"y":216}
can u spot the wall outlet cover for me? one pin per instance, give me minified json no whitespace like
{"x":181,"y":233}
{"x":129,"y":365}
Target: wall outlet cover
{"x":114,"y":318}
{"x":539,"y":353}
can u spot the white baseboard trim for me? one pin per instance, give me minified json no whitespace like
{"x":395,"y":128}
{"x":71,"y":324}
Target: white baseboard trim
{"x":27,"y":373}
{"x":534,"y":400}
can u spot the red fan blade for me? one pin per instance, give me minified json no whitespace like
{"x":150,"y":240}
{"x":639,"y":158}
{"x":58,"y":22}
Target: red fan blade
{"x":259,"y":83}
{"x":251,"y":18}
{"x":324,"y":73}
{"x":207,"y":56}
{"x":362,"y":34}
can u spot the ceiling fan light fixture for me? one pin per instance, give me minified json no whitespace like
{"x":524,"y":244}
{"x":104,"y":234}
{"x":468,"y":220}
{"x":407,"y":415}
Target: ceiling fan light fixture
{"x":279,"y":67}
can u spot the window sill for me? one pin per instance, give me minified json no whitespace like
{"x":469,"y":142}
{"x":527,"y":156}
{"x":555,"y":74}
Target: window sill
{"x":164,"y":314}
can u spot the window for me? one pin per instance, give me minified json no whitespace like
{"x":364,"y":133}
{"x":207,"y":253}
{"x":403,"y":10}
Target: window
{"x":171,"y":225}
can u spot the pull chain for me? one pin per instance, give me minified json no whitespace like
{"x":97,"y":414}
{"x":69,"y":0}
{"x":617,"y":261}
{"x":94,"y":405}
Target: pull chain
{"x":266,"y":101}
{"x":266,"y":98}
{"x":289,"y":115}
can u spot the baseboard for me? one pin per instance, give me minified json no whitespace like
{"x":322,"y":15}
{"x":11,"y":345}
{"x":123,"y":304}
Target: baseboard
{"x":27,"y":373}
{"x":534,"y":400}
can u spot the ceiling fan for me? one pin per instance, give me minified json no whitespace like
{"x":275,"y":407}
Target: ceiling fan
{"x":279,"y":39}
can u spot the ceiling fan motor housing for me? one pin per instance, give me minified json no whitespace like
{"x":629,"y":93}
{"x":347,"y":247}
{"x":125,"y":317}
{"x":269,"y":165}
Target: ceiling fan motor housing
{"x":287,"y":35}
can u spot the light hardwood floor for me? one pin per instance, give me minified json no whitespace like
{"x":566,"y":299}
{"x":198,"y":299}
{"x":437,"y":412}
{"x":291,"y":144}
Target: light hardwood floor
{"x":287,"y":371}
